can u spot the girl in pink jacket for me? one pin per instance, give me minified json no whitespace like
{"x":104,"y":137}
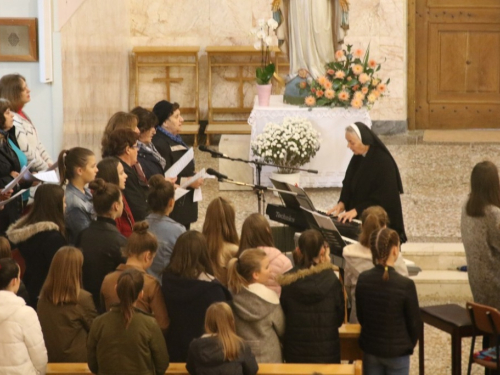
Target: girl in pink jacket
{"x":256,"y":233}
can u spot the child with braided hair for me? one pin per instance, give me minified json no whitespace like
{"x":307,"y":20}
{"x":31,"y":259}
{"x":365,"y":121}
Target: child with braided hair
{"x":387,"y":309}
{"x":358,"y":256}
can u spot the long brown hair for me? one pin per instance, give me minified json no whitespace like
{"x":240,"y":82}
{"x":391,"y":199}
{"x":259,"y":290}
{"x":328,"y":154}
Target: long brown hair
{"x":372,"y":219}
{"x":5,"y":248}
{"x":310,"y":244}
{"x":381,"y":244}
{"x":241,"y":269}
{"x":48,"y":205}
{"x":11,"y":88}
{"x":190,"y":256}
{"x":64,"y":280}
{"x":141,"y":240}
{"x":69,"y":160}
{"x":129,"y":286}
{"x":107,"y":169}
{"x":484,"y":189}
{"x":255,"y":232}
{"x":219,"y":227}
{"x":219,"y":320}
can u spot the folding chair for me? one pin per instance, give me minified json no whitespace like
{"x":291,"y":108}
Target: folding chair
{"x":485,"y":320}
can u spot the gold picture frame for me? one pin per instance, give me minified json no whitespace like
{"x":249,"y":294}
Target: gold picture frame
{"x":18,"y":39}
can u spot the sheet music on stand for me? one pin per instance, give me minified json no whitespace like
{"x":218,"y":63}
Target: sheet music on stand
{"x":331,"y":234}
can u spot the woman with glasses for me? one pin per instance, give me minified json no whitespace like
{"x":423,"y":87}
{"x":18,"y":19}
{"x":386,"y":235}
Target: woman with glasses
{"x":122,"y":144}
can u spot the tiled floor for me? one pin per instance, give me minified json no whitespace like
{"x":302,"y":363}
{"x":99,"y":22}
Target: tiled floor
{"x":436,"y":183}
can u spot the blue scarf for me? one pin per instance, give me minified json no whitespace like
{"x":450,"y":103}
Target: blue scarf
{"x":176,"y":138}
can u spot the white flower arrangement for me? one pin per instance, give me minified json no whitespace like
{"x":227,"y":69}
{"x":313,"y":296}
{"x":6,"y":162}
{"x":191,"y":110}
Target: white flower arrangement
{"x":291,"y":144}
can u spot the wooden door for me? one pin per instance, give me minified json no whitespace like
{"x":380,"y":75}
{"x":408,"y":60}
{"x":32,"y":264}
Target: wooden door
{"x":457,"y":64}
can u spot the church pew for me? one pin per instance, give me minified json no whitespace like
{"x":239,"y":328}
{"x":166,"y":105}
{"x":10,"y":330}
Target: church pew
{"x":264,"y":369}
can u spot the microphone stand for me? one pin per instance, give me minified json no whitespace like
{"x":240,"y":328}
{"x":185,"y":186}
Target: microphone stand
{"x":258,"y":188}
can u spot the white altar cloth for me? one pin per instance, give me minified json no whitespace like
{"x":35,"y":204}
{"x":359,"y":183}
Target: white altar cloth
{"x":333,"y":156}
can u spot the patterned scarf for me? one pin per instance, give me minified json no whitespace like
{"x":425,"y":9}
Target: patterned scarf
{"x":176,"y":138}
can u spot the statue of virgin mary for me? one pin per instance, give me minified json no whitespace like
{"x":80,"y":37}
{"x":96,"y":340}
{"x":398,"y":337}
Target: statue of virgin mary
{"x":310,"y":32}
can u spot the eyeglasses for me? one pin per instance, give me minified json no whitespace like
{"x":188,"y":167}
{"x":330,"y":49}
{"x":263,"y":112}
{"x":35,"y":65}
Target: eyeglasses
{"x":136,"y":146}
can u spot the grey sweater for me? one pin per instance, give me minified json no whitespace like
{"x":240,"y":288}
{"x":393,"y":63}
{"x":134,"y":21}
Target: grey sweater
{"x":481,"y":238}
{"x":260,"y":321}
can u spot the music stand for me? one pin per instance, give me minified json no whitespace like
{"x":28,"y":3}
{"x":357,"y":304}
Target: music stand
{"x":330,"y":232}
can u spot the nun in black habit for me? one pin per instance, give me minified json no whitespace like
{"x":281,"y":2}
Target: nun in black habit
{"x":372,"y":179}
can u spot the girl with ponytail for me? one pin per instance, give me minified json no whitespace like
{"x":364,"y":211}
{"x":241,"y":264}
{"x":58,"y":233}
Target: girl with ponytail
{"x":387,"y":309}
{"x":126,"y":339}
{"x":101,"y":242}
{"x":140,"y":251}
{"x":220,"y":350}
{"x":259,"y":317}
{"x":77,"y":167}
{"x":358,"y":257}
{"x":313,"y":302}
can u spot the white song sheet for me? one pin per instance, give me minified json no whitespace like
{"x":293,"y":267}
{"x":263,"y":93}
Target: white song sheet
{"x":3,"y":203}
{"x":14,"y":182}
{"x":180,"y":164}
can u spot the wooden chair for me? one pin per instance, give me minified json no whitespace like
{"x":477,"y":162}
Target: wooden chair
{"x":264,"y":369}
{"x":485,"y":320}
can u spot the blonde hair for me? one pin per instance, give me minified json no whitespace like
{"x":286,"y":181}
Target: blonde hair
{"x":255,"y":232}
{"x":241,"y":269}
{"x":219,"y":227}
{"x":64,"y":280}
{"x":373,"y":219}
{"x":219,"y":320}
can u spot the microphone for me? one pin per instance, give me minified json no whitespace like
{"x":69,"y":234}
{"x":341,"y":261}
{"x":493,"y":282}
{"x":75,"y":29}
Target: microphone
{"x":215,"y":154}
{"x":219,"y":175}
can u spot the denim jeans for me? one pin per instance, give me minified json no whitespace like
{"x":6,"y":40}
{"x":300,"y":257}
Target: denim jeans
{"x":373,"y":365}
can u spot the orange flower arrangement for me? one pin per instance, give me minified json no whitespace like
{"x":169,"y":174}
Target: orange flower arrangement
{"x":349,"y":81}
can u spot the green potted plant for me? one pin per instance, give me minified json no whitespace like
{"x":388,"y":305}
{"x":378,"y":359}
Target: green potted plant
{"x":263,"y":74}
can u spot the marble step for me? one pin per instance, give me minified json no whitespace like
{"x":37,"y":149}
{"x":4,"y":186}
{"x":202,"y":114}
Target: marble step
{"x":435,"y":256}
{"x":440,"y":284}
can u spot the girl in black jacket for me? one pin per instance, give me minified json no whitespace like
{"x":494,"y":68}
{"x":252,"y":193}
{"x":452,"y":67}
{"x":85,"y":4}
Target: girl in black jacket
{"x":189,"y":289}
{"x":220,"y":351}
{"x":39,"y":235}
{"x":387,"y":308}
{"x":313,"y":303}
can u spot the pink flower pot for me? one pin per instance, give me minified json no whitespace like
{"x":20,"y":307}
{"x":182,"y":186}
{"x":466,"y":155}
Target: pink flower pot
{"x":264,"y":94}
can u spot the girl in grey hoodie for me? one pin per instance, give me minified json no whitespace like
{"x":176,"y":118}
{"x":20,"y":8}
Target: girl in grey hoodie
{"x":257,"y":311}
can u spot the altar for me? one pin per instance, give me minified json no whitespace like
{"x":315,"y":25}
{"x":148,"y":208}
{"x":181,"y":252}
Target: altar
{"x":333,"y":156}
